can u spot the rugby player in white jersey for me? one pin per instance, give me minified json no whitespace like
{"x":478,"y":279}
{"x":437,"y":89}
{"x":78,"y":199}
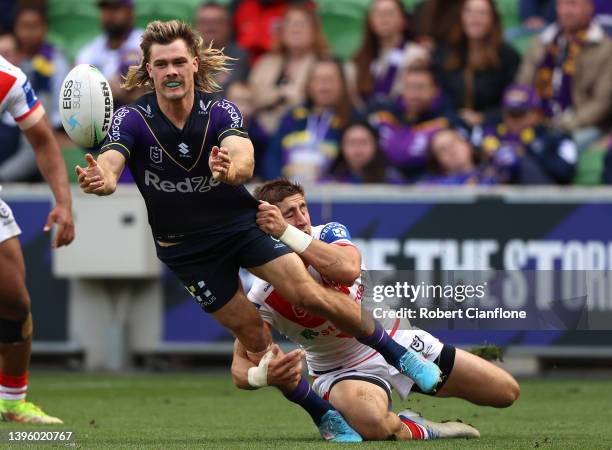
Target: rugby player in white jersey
{"x":19,"y":99}
{"x":357,"y":380}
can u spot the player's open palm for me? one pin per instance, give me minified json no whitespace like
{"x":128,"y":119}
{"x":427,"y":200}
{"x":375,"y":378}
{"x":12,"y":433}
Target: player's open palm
{"x":91,"y":178}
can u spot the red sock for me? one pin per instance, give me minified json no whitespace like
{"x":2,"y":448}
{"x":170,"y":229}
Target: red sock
{"x":417,"y":431}
{"x":13,"y":387}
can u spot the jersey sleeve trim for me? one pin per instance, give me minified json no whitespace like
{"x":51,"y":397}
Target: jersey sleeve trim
{"x":232,"y":132}
{"x":343,"y":243}
{"x":31,"y":118}
{"x":118,"y":147}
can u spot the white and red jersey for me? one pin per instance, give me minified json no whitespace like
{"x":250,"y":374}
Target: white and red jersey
{"x":17,"y":96}
{"x":326,"y":347}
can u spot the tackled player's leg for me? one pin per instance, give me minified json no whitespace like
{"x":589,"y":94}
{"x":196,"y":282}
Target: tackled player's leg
{"x":16,"y":338}
{"x":242,"y":319}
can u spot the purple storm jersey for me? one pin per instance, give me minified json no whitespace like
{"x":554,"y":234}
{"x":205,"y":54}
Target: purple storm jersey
{"x":170,"y":166}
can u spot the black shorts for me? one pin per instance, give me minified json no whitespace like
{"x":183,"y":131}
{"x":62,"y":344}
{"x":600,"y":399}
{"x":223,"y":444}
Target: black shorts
{"x":208,"y":266}
{"x":445,"y":361}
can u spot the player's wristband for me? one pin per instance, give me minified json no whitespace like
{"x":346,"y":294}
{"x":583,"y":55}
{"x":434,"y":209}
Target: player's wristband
{"x":295,"y":239}
{"x":258,"y":376}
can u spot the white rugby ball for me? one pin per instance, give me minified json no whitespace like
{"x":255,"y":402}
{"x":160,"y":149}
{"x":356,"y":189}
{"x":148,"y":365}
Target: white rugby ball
{"x":86,"y":105}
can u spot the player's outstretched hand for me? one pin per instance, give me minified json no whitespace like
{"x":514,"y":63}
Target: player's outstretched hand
{"x":286,"y":369}
{"x":91,"y":178}
{"x":270,"y":219}
{"x":62,"y":216}
{"x":220,"y":164}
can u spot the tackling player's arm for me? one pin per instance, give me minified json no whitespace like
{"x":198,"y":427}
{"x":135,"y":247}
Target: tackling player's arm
{"x":51,"y":164}
{"x":233,"y":162}
{"x":100,"y":176}
{"x":284,"y":371}
{"x":339,"y":263}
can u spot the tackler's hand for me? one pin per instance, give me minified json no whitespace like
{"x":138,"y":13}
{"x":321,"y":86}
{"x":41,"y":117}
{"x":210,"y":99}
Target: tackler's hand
{"x":285,"y":370}
{"x":270,"y":219}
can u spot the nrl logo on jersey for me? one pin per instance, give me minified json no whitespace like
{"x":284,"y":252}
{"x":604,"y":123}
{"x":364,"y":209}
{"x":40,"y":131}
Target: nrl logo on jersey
{"x":147,"y":111}
{"x":204,"y":107}
{"x":156,"y":154}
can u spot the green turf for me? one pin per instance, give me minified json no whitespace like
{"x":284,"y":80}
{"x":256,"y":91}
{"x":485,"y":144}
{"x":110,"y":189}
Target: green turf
{"x":167,"y":411}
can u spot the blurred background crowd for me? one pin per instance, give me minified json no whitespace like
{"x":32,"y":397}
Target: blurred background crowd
{"x":453,"y":92}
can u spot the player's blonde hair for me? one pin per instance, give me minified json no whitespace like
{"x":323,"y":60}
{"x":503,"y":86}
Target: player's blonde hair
{"x":211,"y":61}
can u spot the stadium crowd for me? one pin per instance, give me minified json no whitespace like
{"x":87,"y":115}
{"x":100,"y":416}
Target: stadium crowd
{"x":434,"y":95}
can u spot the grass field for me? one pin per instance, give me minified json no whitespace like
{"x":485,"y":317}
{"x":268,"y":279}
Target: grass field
{"x":167,"y":411}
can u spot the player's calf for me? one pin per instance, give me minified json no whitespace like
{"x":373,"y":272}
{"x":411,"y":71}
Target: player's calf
{"x":479,"y":381}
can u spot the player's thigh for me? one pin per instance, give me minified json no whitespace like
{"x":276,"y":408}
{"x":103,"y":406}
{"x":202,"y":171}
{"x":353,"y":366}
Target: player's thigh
{"x":479,"y":381}
{"x":14,"y":298}
{"x":364,"y":405}
{"x":239,"y":314}
{"x":289,"y":277}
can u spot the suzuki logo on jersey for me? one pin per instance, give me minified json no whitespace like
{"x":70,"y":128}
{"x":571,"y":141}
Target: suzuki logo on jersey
{"x":156,"y":154}
{"x":187,"y":185}
{"x":184,"y":149}
{"x":147,"y":111}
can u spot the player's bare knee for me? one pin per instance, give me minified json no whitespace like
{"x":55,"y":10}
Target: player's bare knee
{"x":507,"y":392}
{"x":15,"y":306}
{"x":512,"y":391}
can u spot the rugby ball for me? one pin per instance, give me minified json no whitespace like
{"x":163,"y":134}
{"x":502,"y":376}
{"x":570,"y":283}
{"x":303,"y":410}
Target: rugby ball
{"x":86,"y":105}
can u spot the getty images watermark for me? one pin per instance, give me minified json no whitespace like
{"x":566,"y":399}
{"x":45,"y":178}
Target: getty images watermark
{"x":495,"y":300}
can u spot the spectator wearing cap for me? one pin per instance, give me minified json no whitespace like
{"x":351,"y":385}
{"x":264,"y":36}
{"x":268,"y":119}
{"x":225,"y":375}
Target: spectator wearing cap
{"x":570,"y":66}
{"x":521,"y":149}
{"x":117,"y":49}
{"x":407,"y":124}
{"x":214,"y":22}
